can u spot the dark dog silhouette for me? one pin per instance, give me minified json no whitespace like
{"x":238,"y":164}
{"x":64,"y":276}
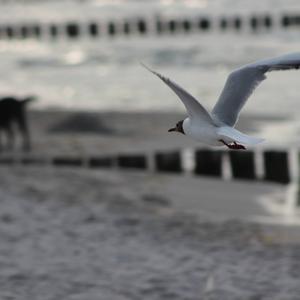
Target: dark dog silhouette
{"x":12,"y":116}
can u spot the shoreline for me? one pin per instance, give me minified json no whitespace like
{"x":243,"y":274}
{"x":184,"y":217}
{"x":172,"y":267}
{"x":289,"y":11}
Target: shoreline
{"x":75,"y":132}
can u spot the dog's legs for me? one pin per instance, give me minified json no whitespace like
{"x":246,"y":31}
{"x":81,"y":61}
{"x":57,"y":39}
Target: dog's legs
{"x":1,"y":143}
{"x":10,"y":138}
{"x":23,"y":126}
{"x":26,"y":136}
{"x":26,"y":141}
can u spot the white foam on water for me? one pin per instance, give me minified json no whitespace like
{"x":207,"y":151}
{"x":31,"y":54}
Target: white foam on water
{"x":282,"y":209}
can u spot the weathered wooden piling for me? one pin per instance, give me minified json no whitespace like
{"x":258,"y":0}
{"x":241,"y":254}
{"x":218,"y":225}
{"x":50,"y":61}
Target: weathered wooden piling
{"x":142,"y":26}
{"x":32,"y":161}
{"x":126,"y":28}
{"x":208,"y":162}
{"x":131,"y":161}
{"x":237,"y":23}
{"x":186,"y":25}
{"x":53,"y":31}
{"x":242,"y":164}
{"x":111,"y":29}
{"x":159,"y":26}
{"x":285,"y":21}
{"x":93,"y":29}
{"x":276,"y":164}
{"x":101,"y":162}
{"x":24,"y":32}
{"x":268,"y":22}
{"x":290,"y":20}
{"x":254,"y":23}
{"x":204,"y":24}
{"x":2,"y":32}
{"x":172,"y":26}
{"x":7,"y":160}
{"x":135,"y":161}
{"x":223,"y":23}
{"x":72,"y":30}
{"x":36,"y":31}
{"x":168,"y":162}
{"x":65,"y":161}
{"x":10,"y":32}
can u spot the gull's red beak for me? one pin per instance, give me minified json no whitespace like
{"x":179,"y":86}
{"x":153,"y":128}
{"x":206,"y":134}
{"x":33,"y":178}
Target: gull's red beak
{"x":172,"y":129}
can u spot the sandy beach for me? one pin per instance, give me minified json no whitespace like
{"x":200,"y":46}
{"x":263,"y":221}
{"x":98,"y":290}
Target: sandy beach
{"x":82,"y":234}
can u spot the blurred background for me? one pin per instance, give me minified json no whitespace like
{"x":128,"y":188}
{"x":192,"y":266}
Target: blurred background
{"x":76,"y":232}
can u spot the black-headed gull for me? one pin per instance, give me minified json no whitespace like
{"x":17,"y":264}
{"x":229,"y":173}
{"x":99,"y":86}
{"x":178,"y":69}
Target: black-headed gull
{"x":217,"y":128}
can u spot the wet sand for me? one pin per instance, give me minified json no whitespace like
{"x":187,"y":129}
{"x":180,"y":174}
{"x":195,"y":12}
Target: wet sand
{"x":62,"y":132}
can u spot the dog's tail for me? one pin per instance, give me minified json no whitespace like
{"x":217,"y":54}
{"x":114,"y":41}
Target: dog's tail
{"x":28,"y":99}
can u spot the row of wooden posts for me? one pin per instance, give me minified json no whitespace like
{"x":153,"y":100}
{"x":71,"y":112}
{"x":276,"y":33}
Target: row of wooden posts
{"x":144,"y":26}
{"x":206,"y":162}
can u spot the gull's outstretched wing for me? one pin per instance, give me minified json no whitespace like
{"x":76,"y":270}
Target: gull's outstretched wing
{"x":242,"y":82}
{"x":194,"y":109}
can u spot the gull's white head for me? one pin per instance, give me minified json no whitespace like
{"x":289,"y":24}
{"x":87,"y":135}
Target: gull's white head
{"x":178,"y":127}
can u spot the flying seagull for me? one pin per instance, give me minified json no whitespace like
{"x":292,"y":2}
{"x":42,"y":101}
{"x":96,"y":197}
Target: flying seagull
{"x":217,"y":128}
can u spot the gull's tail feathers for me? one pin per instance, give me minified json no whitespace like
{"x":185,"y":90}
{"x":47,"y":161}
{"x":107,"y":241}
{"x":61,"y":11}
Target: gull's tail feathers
{"x":237,"y":136}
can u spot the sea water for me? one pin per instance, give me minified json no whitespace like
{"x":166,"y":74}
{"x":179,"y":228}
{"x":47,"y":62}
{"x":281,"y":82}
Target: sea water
{"x":105,"y":74}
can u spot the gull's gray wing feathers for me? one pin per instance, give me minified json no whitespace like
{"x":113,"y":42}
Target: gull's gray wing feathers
{"x":194,"y":109}
{"x":242,"y":82}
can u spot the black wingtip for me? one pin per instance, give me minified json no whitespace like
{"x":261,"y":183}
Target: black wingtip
{"x":146,"y":67}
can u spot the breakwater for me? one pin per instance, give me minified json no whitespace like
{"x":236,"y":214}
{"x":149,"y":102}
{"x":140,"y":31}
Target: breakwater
{"x":269,"y":165}
{"x":143,"y":26}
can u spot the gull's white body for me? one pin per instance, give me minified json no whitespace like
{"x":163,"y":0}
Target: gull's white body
{"x":217,"y":126}
{"x":212,"y":134}
{"x":206,"y":134}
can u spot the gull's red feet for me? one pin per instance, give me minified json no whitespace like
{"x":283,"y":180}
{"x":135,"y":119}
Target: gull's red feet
{"x":238,"y":146}
{"x":234,"y":145}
